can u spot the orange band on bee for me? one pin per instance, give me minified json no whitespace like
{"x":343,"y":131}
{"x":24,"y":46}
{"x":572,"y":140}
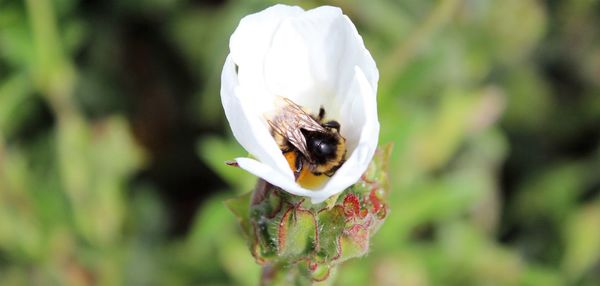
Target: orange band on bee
{"x":304,"y":177}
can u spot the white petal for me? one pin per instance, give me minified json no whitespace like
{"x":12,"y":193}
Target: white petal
{"x":250,"y":43}
{"x":362,"y":57}
{"x":363,"y":151}
{"x":312,"y":57}
{"x":247,"y":127}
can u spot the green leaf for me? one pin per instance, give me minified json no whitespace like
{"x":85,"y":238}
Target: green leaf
{"x":15,"y":91}
{"x":582,"y":237}
{"x":240,"y":207}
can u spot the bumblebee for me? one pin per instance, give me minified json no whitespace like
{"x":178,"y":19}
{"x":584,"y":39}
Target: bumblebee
{"x":312,"y":146}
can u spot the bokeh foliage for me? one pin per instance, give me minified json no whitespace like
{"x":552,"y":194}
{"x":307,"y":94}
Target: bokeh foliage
{"x":112,"y":142}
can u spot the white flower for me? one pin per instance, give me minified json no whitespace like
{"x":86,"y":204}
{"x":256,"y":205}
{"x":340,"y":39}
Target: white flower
{"x":315,"y":58}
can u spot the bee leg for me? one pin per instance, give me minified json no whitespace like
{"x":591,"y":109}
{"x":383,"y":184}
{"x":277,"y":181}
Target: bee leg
{"x":298,"y":164}
{"x":332,"y":124}
{"x":321,"y":113}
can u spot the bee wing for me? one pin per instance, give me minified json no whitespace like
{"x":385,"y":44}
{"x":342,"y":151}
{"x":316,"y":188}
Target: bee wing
{"x":291,"y":133}
{"x":302,"y":118}
{"x":289,"y":122}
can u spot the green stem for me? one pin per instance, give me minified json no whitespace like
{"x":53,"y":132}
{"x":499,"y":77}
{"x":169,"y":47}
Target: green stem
{"x":278,"y":274}
{"x":267,"y":275}
{"x":54,"y":72}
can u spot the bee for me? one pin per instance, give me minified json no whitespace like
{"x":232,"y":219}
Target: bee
{"x":309,"y":143}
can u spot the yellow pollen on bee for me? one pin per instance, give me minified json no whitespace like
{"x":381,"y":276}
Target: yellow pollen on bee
{"x":306,"y":179}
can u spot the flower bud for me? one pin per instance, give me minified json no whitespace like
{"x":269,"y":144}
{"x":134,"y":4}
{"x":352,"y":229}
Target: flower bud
{"x":297,"y":240}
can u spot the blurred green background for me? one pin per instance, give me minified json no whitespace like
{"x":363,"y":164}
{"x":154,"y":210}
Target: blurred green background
{"x":112,"y":142}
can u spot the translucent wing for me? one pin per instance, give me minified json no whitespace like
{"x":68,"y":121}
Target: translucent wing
{"x":290,"y":120}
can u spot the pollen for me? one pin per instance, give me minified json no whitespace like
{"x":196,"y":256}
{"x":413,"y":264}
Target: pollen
{"x":306,"y":178}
